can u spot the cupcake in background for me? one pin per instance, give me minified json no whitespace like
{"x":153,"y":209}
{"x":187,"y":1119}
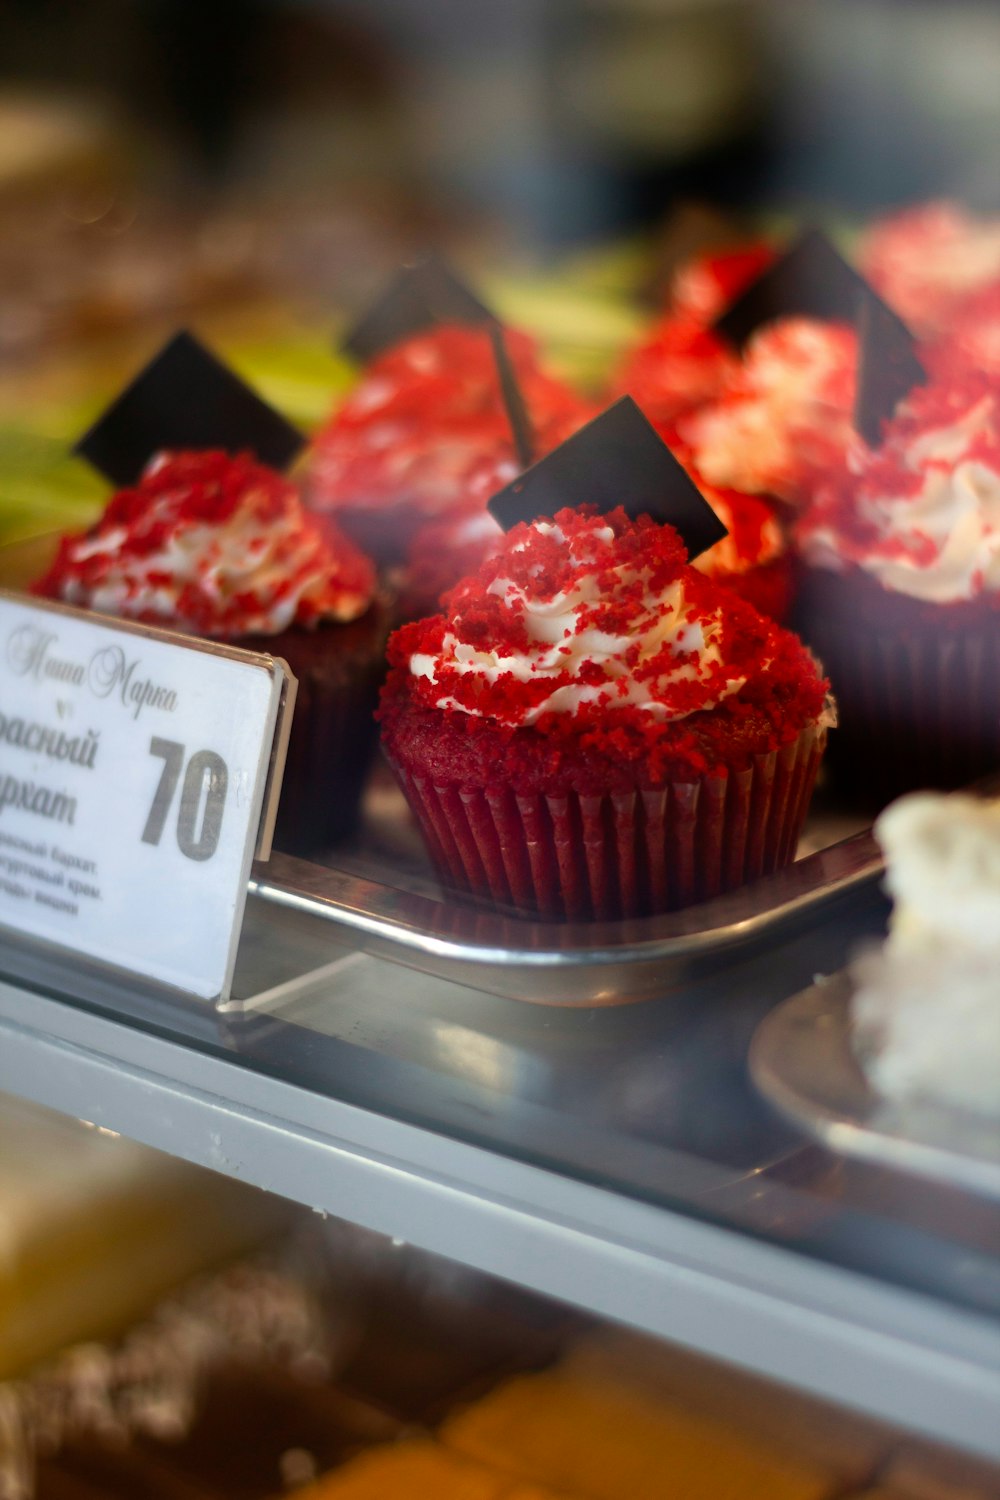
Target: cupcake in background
{"x":900,"y":592}
{"x":593,"y":729}
{"x":929,"y":262}
{"x":402,"y":449}
{"x":785,"y":417}
{"x":446,"y":548}
{"x":218,"y":544}
{"x":780,"y":422}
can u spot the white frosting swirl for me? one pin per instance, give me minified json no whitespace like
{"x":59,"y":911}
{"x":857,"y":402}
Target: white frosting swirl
{"x":665,"y":628}
{"x":941,"y":544}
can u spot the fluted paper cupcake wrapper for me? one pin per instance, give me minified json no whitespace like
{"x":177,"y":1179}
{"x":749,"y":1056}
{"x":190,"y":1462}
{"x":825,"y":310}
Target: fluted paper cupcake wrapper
{"x":915,"y":709}
{"x":625,"y":854}
{"x":330,"y":749}
{"x":333,"y":736}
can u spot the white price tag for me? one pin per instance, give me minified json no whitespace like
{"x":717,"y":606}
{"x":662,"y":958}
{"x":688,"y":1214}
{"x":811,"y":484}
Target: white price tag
{"x":133,"y":769}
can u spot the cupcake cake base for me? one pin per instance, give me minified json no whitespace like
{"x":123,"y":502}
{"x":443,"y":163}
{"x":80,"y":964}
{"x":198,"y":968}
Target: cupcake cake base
{"x":627,"y":853}
{"x":339,"y":669}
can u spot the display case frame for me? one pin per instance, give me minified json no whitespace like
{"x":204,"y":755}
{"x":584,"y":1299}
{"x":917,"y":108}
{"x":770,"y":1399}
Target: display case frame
{"x":729,"y":1263}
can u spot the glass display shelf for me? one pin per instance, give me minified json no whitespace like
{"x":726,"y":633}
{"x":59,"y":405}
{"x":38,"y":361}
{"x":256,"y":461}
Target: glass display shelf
{"x":618,"y":1159}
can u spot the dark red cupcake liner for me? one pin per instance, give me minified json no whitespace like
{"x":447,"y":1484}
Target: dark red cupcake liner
{"x":917,"y":706}
{"x":333,"y":738}
{"x":627,"y":854}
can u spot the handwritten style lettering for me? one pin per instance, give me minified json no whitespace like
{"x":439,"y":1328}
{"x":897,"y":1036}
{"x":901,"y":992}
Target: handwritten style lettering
{"x":32,"y":652}
{"x":29,"y":654}
{"x":110,"y":673}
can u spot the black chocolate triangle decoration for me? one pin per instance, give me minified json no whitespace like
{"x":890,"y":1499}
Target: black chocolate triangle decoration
{"x":185,"y":398}
{"x":617,"y":459}
{"x":813,"y":280}
{"x":888,"y":368}
{"x":513,"y":399}
{"x":420,"y":295}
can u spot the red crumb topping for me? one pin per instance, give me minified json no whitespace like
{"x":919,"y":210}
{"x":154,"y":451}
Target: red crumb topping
{"x":754,"y":536}
{"x":640,"y":561}
{"x":215,"y":544}
{"x":846,"y":506}
{"x":425,"y":413}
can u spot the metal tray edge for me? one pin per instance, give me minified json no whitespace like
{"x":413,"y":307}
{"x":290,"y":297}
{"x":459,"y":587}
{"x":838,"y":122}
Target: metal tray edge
{"x":839,"y":1108}
{"x":565,"y":964}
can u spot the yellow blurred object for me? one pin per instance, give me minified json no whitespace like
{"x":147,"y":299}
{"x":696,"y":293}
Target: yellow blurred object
{"x":94,"y":1228}
{"x":604,"y":1439}
{"x":420,"y":1471}
{"x":852,"y":1446}
{"x":45,"y":139}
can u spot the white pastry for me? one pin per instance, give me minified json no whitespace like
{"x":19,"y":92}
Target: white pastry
{"x":926,"y":1010}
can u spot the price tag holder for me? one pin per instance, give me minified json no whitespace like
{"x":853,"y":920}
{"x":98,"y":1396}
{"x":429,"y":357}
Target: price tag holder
{"x":139,"y":773}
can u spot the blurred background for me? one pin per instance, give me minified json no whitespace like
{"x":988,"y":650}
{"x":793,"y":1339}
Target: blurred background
{"x":544,"y":120}
{"x":168,"y":160}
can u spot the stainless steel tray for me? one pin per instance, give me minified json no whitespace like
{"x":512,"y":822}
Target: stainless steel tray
{"x":802,"y":1061}
{"x":384,"y":893}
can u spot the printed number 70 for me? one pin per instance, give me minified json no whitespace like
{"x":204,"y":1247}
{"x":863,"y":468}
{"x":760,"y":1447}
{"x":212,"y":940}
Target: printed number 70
{"x":204,"y":767}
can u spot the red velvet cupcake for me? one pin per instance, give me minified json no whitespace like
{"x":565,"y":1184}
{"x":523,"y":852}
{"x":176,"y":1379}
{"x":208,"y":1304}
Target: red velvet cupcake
{"x":593,"y":729}
{"x":900,"y":592}
{"x":221,"y":546}
{"x":400,"y":451}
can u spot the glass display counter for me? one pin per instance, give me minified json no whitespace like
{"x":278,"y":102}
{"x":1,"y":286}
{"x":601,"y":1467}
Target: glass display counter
{"x":618,"y":1159}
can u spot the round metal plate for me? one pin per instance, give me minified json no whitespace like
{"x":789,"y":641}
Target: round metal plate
{"x":802,"y":1060}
